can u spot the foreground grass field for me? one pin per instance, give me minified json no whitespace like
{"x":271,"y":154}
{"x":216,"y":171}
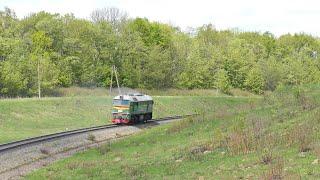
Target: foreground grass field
{"x":275,"y":138}
{"x":22,"y":118}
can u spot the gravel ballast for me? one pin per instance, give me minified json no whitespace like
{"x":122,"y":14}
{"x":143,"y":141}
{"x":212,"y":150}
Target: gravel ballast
{"x":18,"y":162}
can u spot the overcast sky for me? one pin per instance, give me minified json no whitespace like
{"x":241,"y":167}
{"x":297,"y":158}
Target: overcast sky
{"x":276,"y":16}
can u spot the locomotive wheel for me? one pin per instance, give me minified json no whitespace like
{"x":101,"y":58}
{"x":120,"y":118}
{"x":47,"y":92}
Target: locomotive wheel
{"x":141,"y":118}
{"x":134,"y":119}
{"x":147,"y":117}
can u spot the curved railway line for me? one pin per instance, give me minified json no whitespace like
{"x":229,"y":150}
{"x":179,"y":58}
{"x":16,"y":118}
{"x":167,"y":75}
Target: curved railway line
{"x":35,"y":140}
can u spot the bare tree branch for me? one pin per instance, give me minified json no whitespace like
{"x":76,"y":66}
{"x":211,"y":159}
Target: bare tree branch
{"x":112,"y":15}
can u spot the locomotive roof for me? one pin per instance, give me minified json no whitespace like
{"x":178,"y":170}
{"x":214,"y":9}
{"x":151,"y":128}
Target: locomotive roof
{"x":134,"y":97}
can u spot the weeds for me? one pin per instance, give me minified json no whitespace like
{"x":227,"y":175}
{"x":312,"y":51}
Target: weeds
{"x":239,"y":142}
{"x":276,"y":170}
{"x":135,"y":172}
{"x":257,"y":126}
{"x":267,"y":156}
{"x":306,"y":103}
{"x":193,"y":152}
{"x":82,"y":165}
{"x":183,"y":124}
{"x":219,"y":139}
{"x":196,"y":150}
{"x":44,"y":151}
{"x":104,"y":149}
{"x":91,"y":137}
{"x":317,"y":151}
{"x":222,"y":113}
{"x":119,"y":135}
{"x":302,"y":136}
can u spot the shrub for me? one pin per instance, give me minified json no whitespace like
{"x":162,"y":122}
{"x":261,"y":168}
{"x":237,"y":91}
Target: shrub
{"x":91,"y":137}
{"x":254,"y":81}
{"x":222,"y":82}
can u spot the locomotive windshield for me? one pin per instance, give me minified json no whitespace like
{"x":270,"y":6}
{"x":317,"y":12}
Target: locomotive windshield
{"x":119,"y":102}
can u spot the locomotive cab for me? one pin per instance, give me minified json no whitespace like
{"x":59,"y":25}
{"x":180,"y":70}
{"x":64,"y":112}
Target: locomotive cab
{"x":132,"y":108}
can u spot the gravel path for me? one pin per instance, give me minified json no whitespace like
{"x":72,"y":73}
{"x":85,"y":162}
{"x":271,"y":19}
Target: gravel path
{"x":17,"y":163}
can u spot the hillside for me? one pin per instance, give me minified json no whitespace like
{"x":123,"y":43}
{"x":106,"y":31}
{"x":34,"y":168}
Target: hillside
{"x":22,"y":118}
{"x":277,"y":137}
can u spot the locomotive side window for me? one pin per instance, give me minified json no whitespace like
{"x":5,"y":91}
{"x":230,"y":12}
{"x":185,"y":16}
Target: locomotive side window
{"x":134,"y":106}
{"x":119,"y":102}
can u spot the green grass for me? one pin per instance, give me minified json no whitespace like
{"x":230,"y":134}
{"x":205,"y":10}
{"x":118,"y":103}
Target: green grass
{"x":22,"y":118}
{"x":81,"y":91}
{"x":274,"y":137}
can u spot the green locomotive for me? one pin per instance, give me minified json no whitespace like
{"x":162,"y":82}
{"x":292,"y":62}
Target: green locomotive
{"x":131,"y":109}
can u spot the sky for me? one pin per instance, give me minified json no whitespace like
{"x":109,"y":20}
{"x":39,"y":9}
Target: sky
{"x":276,"y":16}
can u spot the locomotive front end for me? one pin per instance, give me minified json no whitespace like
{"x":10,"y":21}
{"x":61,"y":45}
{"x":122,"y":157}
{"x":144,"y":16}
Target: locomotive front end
{"x":120,"y":110}
{"x":131,"y":109}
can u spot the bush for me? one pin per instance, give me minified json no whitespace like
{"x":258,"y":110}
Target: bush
{"x":254,"y":81}
{"x":222,"y":82}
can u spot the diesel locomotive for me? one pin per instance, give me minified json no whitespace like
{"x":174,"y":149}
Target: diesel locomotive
{"x":131,"y":109}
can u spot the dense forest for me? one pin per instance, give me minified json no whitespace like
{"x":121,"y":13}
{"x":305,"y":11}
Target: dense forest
{"x":61,"y":51}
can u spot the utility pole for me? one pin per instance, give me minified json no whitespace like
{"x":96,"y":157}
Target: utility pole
{"x":39,"y":80}
{"x":111,"y":80}
{"x":114,"y":70}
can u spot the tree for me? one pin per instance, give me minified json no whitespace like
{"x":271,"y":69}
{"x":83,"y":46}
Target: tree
{"x":8,"y":23}
{"x":155,"y":77}
{"x":273,"y":73}
{"x":222,"y":81}
{"x":254,"y":81}
{"x":112,"y":15}
{"x":41,"y":44}
{"x":68,"y":51}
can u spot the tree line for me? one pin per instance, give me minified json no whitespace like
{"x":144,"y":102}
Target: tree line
{"x":53,"y":50}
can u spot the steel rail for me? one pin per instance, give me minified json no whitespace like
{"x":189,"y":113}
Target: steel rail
{"x":44,"y":138}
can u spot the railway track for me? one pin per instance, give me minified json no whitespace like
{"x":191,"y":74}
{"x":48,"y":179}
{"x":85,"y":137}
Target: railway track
{"x":44,"y":138}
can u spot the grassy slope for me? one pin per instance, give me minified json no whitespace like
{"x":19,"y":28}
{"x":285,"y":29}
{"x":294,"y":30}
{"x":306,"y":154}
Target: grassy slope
{"x":22,"y":118}
{"x":239,"y":139}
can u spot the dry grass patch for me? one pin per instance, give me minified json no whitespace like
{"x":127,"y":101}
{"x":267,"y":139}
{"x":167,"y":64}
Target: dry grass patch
{"x":183,"y":124}
{"x":240,"y":142}
{"x":317,"y":151}
{"x":275,"y":171}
